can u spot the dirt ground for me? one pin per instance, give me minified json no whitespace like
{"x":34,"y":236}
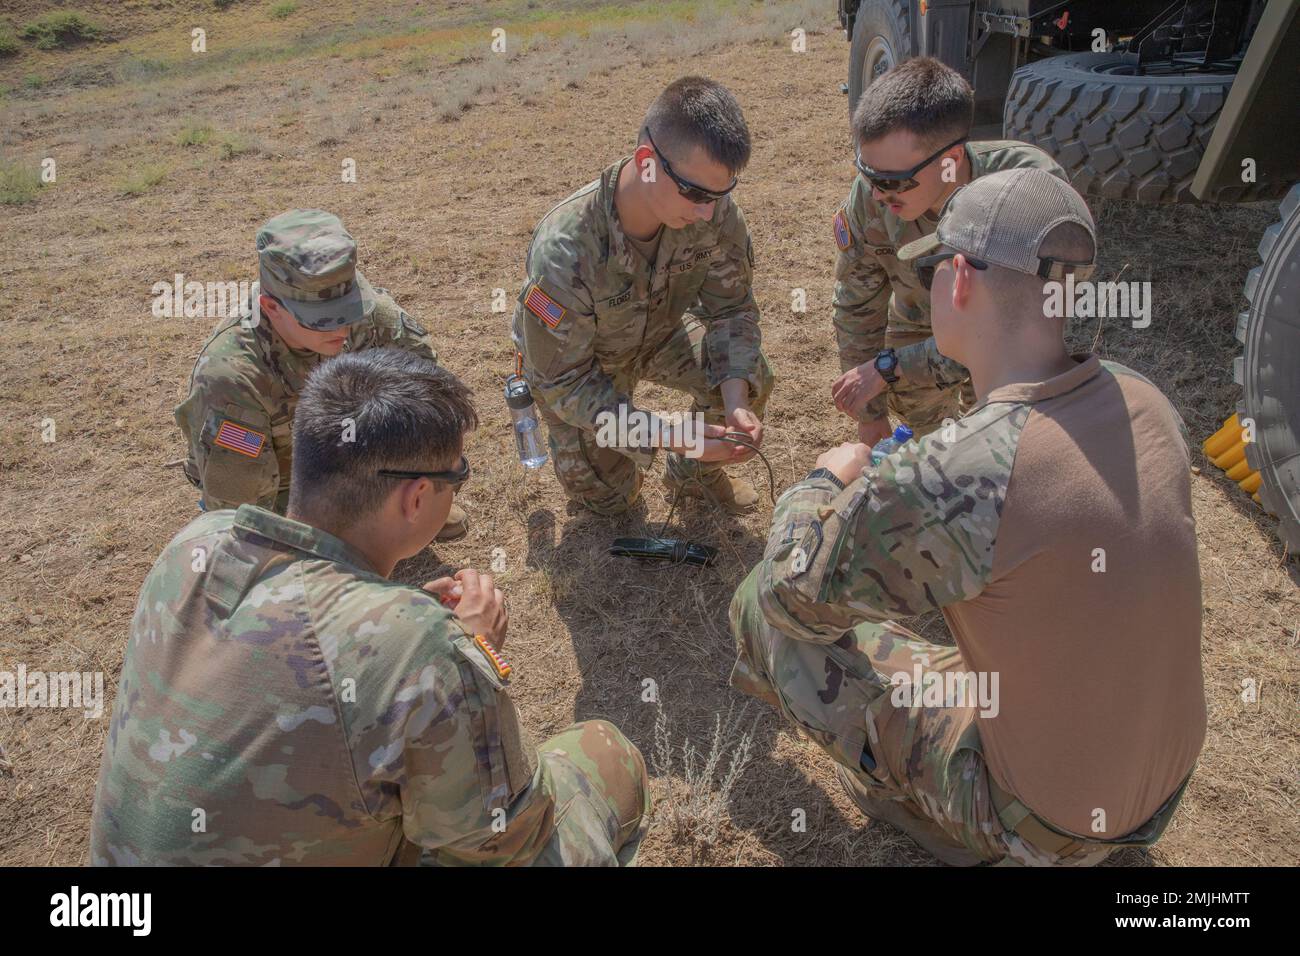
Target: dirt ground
{"x":442,"y":210}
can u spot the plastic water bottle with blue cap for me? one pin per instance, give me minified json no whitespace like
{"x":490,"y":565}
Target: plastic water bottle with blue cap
{"x":528,"y":430}
{"x":890,"y":444}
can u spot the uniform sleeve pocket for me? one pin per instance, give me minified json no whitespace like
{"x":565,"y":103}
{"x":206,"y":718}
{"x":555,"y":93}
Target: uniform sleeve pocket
{"x":512,"y":755}
{"x":240,"y":465}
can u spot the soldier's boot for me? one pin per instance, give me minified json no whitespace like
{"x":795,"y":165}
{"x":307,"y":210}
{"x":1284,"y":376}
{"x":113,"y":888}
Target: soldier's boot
{"x":734,"y":495}
{"x":924,"y":832}
{"x":456,"y":525}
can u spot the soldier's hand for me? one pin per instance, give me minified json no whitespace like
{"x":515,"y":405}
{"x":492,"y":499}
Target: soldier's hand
{"x":856,"y":387}
{"x":846,"y":461}
{"x":706,"y":447}
{"x":446,"y":590}
{"x":873,"y":431}
{"x":482,"y":606}
{"x":745,"y":423}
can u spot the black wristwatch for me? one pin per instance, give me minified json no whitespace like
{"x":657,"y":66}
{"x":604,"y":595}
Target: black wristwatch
{"x":825,"y":473}
{"x":887,"y":365}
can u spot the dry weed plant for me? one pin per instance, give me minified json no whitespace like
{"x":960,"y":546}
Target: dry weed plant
{"x":695,"y":806}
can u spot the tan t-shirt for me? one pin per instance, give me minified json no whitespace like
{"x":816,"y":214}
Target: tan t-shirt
{"x":1052,"y":524}
{"x":1092,"y":615}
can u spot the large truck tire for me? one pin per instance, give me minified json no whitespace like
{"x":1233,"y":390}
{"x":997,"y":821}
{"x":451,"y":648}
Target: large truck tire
{"x":1119,"y":135}
{"x":1268,"y":370}
{"x":882,"y":38}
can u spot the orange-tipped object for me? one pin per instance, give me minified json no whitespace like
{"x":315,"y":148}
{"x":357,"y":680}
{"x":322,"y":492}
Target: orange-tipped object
{"x":1251,"y":483}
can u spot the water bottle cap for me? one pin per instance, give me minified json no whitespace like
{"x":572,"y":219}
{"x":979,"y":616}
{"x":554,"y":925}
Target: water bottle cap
{"x":517,"y":393}
{"x":902,"y":434}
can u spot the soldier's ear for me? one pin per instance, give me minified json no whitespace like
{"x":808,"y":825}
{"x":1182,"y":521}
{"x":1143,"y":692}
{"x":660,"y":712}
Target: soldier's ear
{"x":647,"y":163}
{"x":416,"y":498}
{"x":269,"y":307}
{"x":962,"y":281}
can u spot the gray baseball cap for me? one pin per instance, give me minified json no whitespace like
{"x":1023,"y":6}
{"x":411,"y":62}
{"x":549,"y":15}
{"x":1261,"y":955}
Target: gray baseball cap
{"x":1002,"y":218}
{"x":308,"y":261}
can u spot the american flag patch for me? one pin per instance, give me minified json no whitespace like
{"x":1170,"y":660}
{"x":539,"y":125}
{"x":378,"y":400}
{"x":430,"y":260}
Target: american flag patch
{"x":543,"y":306}
{"x":843,"y":238}
{"x":240,"y":439}
{"x":495,"y":659}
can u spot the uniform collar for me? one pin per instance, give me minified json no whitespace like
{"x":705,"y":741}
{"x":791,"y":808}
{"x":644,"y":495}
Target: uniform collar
{"x":1026,"y":393}
{"x":271,"y":342}
{"x":619,"y":254}
{"x":299,"y":536}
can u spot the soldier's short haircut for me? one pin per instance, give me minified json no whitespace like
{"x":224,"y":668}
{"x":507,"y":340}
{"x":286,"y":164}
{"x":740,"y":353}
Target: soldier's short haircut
{"x":363,"y":411}
{"x":695,"y":111}
{"x":923,"y":96}
{"x":1018,"y":295}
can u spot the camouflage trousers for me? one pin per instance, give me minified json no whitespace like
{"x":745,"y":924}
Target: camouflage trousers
{"x":929,"y":777}
{"x":595,"y":778}
{"x":924,"y":407}
{"x":604,"y":479}
{"x":602,"y":797}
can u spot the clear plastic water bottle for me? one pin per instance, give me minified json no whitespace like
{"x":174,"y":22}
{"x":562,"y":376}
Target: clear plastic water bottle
{"x":528,"y":430}
{"x":890,"y":444}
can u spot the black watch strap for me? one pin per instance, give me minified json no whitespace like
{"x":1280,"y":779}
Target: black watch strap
{"x":890,"y":376}
{"x":828,"y":474}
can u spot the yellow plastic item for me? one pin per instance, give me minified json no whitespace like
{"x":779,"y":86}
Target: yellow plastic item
{"x":1230,"y":457}
{"x":1227,"y":449}
{"x":1223,"y":439}
{"x":1239,"y":471}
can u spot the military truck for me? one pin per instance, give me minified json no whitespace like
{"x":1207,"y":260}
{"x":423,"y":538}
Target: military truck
{"x":1151,"y":101}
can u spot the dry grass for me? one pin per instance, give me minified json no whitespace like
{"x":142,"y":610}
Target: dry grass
{"x":443,"y":210}
{"x":694,"y":807}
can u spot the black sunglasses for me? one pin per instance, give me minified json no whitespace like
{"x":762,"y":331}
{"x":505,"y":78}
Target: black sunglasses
{"x":926,"y":265}
{"x":900,"y":182}
{"x":454,"y":478}
{"x":696,"y":194}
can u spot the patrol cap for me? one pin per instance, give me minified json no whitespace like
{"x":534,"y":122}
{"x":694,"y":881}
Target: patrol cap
{"x":308,"y":261}
{"x":1003,"y":218}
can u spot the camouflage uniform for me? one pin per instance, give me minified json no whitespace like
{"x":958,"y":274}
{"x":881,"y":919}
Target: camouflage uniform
{"x":247,"y":375}
{"x":317,"y":713}
{"x":817,"y":638}
{"x":595,"y":317}
{"x":879,"y":302}
{"x":238,"y":417}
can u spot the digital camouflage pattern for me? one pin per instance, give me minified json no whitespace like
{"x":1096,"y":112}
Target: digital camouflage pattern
{"x":880,"y":303}
{"x":607,"y":318}
{"x":280,"y":703}
{"x":817,"y":636}
{"x":247,"y":375}
{"x":308,"y":261}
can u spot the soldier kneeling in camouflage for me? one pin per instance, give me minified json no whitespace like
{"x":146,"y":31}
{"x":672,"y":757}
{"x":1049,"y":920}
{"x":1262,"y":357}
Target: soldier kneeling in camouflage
{"x":1052,"y":525}
{"x":314,"y":303}
{"x":645,"y":274}
{"x":283,"y":702}
{"x":911,"y":128}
